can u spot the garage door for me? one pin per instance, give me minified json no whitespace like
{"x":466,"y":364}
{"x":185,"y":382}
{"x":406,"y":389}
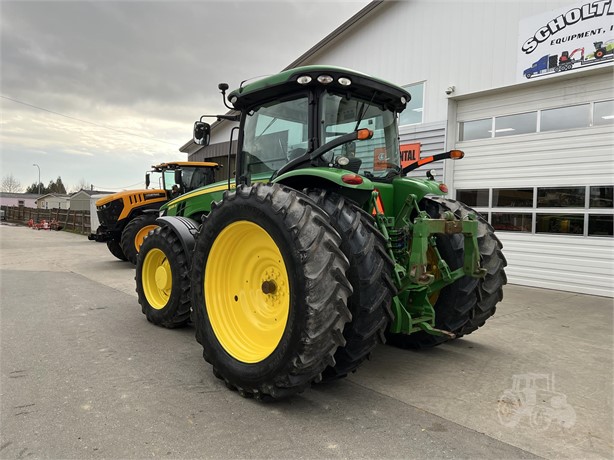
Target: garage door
{"x":540,"y":165}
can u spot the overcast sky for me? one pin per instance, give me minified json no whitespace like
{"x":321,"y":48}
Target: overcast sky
{"x":148,"y":68}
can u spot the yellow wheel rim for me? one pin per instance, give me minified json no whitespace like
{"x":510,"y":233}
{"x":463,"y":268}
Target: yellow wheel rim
{"x":141,"y":234}
{"x":157,"y":279}
{"x":247,"y":292}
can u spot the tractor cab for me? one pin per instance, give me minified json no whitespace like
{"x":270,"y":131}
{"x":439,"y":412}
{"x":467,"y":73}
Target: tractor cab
{"x":180,"y":177}
{"x":318,"y":116}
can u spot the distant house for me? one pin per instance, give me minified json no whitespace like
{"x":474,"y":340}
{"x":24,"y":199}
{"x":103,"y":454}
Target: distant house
{"x":80,"y":201}
{"x":27,"y":200}
{"x":53,"y":201}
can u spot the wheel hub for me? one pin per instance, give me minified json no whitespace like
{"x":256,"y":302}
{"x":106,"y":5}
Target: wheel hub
{"x":162,"y":277}
{"x":269,"y":287}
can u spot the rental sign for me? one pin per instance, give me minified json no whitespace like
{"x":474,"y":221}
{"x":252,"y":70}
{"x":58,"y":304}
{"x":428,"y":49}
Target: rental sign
{"x":568,"y":39}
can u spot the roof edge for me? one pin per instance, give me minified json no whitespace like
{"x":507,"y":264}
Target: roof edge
{"x":335,"y":33}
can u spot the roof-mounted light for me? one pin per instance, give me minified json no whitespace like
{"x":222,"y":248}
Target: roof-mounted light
{"x":344,"y":81}
{"x":456,"y":154}
{"x":403,"y":100}
{"x":233,"y":100}
{"x":325,"y":79}
{"x":304,"y":79}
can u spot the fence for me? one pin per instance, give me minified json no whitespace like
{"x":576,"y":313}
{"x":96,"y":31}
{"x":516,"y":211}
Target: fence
{"x":76,"y":221}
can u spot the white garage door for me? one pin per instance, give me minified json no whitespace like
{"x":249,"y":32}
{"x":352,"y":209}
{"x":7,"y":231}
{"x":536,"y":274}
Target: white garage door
{"x":540,"y":164}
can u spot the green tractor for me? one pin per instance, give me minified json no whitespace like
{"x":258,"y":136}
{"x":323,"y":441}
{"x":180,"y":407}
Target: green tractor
{"x":321,"y":248}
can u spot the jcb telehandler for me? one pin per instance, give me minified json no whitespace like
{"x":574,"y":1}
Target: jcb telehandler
{"x":126,"y":217}
{"x":321,"y":247}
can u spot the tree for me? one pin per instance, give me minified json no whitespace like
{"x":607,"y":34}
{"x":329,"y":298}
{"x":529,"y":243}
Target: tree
{"x":10,"y":184}
{"x":57,"y":186}
{"x":54,"y":187}
{"x":34,"y":188}
{"x":82,"y":185}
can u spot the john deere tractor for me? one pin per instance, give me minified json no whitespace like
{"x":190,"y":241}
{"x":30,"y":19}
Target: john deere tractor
{"x":321,"y":247}
{"x":126,"y":217}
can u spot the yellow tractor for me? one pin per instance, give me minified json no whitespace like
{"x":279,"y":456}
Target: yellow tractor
{"x":127,"y":217}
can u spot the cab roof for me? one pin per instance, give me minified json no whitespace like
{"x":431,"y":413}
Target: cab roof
{"x":179,"y":164}
{"x":285,"y":83}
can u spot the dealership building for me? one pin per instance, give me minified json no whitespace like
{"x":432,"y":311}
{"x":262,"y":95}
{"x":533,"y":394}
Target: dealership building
{"x":526,"y":90}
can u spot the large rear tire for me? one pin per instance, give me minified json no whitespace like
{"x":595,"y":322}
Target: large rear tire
{"x":370,"y":274}
{"x":116,"y":249}
{"x":163,"y":279}
{"x":269,"y":291}
{"x":134,"y":234}
{"x":465,"y":305}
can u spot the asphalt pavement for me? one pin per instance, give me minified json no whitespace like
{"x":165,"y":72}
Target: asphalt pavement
{"x":84,"y":375}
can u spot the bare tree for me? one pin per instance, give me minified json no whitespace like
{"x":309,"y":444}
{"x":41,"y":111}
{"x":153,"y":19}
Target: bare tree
{"x":10,"y":184}
{"x":81,"y":185}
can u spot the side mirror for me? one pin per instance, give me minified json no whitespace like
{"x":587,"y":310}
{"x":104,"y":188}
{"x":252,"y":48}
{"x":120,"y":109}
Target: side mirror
{"x":202,"y":133}
{"x":147,"y":180}
{"x":178,"y":177}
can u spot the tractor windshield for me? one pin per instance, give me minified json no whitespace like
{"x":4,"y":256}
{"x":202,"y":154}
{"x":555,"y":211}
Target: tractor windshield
{"x":376,"y":157}
{"x":275,"y":133}
{"x":192,"y":177}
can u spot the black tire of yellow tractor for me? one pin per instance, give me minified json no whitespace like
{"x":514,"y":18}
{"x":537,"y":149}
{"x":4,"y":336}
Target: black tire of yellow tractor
{"x":370,"y":273}
{"x":176,"y":312}
{"x":465,"y":305}
{"x":116,"y":249}
{"x":129,"y":234}
{"x":318,"y":291}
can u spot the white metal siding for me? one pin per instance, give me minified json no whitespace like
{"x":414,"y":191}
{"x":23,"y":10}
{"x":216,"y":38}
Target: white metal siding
{"x":469,"y":45}
{"x":432,"y":139}
{"x":565,"y":263}
{"x":556,"y":158}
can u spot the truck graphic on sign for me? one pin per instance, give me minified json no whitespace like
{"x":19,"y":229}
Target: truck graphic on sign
{"x":551,"y":63}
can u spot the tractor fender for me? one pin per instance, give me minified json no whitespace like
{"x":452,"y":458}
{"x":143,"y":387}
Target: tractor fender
{"x":184,"y":228}
{"x":328,"y":179}
{"x":155,"y":211}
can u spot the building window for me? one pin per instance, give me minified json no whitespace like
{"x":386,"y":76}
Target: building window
{"x":512,"y":222}
{"x":477,"y":129}
{"x":511,"y":125}
{"x":577,"y":116}
{"x":601,"y":197}
{"x":600,"y":225}
{"x":519,"y":198}
{"x":560,"y":118}
{"x":575,"y":210}
{"x":475,"y":198}
{"x":571,"y":224}
{"x":414,"y":112}
{"x":603,"y":113}
{"x":561,"y":197}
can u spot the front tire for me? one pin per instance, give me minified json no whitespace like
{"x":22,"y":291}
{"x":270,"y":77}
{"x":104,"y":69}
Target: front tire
{"x":134,"y":234}
{"x":269,"y":291}
{"x":116,"y":249}
{"x":465,"y":305}
{"x":163,"y":279}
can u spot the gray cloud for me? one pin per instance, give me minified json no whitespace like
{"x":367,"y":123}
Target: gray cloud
{"x":150,"y":66}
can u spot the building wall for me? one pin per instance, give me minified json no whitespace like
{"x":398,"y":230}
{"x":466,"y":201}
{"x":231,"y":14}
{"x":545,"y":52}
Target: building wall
{"x":80,"y":201}
{"x":470,"y":45}
{"x":14,"y":199}
{"x":54,"y":202}
{"x":474,"y":47}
